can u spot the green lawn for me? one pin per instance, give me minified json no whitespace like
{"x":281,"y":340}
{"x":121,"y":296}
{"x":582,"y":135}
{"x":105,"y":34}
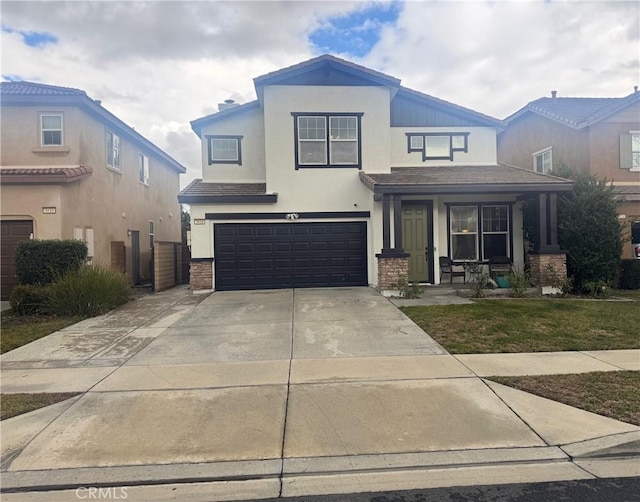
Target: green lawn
{"x":612,"y":394}
{"x":20,"y":330}
{"x":16,"y":404}
{"x":532,"y":325}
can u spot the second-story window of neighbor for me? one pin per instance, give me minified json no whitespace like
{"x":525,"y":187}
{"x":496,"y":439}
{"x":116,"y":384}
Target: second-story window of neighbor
{"x":327,"y":139}
{"x":437,"y":145}
{"x":143,"y":168}
{"x":542,"y":161}
{"x":51,"y":129}
{"x":224,"y":149}
{"x":113,"y":150}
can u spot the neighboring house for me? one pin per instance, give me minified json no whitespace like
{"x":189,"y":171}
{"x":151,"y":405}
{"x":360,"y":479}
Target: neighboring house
{"x":598,"y":136}
{"x":72,"y":170}
{"x":339,"y":176}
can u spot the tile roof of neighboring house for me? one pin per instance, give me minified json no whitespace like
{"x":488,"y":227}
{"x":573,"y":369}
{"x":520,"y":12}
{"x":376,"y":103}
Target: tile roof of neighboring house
{"x":497,"y":178}
{"x":43,"y":175}
{"x":576,"y":112}
{"x":25,"y":88}
{"x":629,"y":193}
{"x":44,"y":95}
{"x":199,"y":191}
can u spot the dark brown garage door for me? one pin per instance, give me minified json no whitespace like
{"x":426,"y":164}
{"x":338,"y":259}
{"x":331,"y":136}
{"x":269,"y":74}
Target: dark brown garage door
{"x":12,"y":233}
{"x":286,"y":255}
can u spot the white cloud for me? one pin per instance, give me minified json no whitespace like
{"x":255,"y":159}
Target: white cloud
{"x":158,"y":65}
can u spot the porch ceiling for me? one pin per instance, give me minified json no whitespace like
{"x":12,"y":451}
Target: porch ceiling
{"x":499,"y":178}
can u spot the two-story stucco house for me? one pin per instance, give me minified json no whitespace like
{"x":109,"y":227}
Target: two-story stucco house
{"x":72,"y":170}
{"x":336,"y":175}
{"x":598,"y":136}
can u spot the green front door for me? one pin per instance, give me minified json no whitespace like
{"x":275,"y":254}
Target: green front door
{"x":417,"y":235}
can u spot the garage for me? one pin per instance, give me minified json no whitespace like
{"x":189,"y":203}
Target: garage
{"x":12,"y":233}
{"x":287,"y":255}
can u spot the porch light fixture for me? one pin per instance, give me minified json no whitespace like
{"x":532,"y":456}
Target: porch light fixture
{"x":292,"y":216}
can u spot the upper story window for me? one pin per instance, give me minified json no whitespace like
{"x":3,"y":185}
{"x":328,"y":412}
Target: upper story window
{"x":113,"y":150}
{"x":224,"y":149}
{"x":635,"y":151}
{"x":143,"y":168}
{"x":51,"y":129}
{"x":327,"y":139}
{"x":542,"y":161}
{"x":437,"y":145}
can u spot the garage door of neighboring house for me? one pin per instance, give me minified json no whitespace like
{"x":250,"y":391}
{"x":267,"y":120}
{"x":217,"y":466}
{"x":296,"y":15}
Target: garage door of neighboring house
{"x":12,"y":233}
{"x":286,"y":255}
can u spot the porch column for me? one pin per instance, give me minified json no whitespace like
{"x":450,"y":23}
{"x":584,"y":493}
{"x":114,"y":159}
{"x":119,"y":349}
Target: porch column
{"x":548,"y":263}
{"x":393,"y":262}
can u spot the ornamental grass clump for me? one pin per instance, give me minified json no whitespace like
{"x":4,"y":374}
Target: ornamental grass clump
{"x":89,"y":291}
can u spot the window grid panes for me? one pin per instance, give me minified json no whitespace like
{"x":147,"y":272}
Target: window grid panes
{"x":51,"y":127}
{"x":344,"y":140}
{"x":312,"y":140}
{"x":113,"y":150}
{"x":464,"y":232}
{"x":495,"y":231}
{"x":224,"y":149}
{"x":416,"y":142}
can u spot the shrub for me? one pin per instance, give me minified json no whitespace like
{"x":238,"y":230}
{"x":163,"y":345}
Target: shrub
{"x":519,"y":282}
{"x":589,"y":230}
{"x":88,"y":291}
{"x":27,"y":299}
{"x":42,"y":261}
{"x":408,"y":289}
{"x":597,"y":289}
{"x":629,"y":276}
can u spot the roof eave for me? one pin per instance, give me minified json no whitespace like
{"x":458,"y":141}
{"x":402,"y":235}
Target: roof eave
{"x":199,"y":123}
{"x":228,"y":199}
{"x":484,"y":188}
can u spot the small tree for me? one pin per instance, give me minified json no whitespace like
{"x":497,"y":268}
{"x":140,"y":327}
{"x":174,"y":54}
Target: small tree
{"x":589,"y":230}
{"x":185,"y":222}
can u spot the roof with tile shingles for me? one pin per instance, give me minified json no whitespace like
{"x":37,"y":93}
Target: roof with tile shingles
{"x":576,"y":112}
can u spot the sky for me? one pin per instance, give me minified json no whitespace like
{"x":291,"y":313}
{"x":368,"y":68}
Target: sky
{"x":157,"y":65}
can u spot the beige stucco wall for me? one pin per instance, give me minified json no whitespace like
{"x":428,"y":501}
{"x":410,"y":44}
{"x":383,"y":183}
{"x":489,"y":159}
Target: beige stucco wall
{"x":481,"y":147}
{"x":249,"y":125}
{"x":109,"y":202}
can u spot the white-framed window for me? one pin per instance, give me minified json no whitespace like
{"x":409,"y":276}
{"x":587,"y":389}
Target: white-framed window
{"x":327,"y":140}
{"x":542,"y":161}
{"x":464,"y":232}
{"x":479,"y":232}
{"x":343,"y":140}
{"x":51,"y":129}
{"x":495,"y":231}
{"x":89,"y":239}
{"x":635,"y":150}
{"x":113,"y":150}
{"x":152,"y":233}
{"x":437,"y":146}
{"x":78,"y":234}
{"x":224,"y":149}
{"x":143,"y":168}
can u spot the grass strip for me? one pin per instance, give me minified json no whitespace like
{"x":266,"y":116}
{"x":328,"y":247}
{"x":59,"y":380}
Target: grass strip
{"x":531,"y":325}
{"x":613,"y":394}
{"x":17,"y":404}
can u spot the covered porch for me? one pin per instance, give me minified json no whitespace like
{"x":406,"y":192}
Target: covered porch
{"x":469,"y":214}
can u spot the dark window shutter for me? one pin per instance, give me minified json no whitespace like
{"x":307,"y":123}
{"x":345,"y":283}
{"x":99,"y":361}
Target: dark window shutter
{"x":626,"y":161}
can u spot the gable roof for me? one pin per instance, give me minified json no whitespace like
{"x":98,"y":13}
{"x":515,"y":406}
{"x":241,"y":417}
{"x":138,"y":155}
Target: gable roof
{"x":318,"y":71}
{"x":25,"y":93}
{"x":576,"y":113}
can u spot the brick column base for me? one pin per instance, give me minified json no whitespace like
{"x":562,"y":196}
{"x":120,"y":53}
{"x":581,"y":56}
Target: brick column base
{"x":544,"y":268}
{"x":201,"y":274}
{"x":390,"y":270}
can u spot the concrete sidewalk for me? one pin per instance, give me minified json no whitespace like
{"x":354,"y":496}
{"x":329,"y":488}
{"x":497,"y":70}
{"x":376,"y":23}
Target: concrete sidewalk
{"x":290,"y":392}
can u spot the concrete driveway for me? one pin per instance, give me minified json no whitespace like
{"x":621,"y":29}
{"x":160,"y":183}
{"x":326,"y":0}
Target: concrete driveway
{"x":287,"y":392}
